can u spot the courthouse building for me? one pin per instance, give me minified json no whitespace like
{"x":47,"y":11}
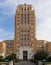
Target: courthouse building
{"x":25,"y":44}
{"x":25,"y":31}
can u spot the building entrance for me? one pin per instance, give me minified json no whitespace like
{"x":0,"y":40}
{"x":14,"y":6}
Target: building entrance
{"x":25,"y":55}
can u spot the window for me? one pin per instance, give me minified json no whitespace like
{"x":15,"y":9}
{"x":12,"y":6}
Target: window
{"x":28,"y":9}
{"x":21,"y":34}
{"x":28,"y":18}
{"x":24,"y":32}
{"x":28,"y":31}
{"x":18,"y":23}
{"x":25,"y":9}
{"x":25,"y":16}
{"x":28,"y":38}
{"x":22,"y":9}
{"x":17,"y":13}
{"x":31,"y":42}
{"x":18,"y":17}
{"x":24,"y":38}
{"x":32,"y":21}
{"x":28,"y":15}
{"x":28,"y":35}
{"x":40,"y":45}
{"x":8,"y":46}
{"x":21,"y":30}
{"x":25,"y":22}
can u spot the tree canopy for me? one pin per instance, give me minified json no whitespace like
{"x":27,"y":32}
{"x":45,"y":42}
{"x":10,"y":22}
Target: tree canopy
{"x":40,"y":55}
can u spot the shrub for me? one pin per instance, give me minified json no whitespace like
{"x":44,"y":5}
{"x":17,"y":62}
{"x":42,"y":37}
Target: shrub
{"x":10,"y":57}
{"x":1,"y":58}
{"x":40,"y":55}
{"x":7,"y":58}
{"x":49,"y":59}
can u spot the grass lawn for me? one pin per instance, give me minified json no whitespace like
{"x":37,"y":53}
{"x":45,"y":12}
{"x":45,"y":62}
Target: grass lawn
{"x":4,"y":62}
{"x":47,"y":62}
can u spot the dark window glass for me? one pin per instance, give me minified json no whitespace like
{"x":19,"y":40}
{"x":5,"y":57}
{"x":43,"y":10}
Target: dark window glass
{"x":22,"y":9}
{"x":25,"y":9}
{"x":28,"y":9}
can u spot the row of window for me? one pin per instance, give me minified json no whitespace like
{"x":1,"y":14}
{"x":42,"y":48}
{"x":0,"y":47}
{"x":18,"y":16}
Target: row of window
{"x":27,"y":36}
{"x":24,"y":43}
{"x":24,"y":18}
{"x":10,"y":46}
{"x":25,"y":29}
{"x":27,"y":14}
{"x":23,"y":32}
{"x":24,"y":39}
{"x":24,"y":22}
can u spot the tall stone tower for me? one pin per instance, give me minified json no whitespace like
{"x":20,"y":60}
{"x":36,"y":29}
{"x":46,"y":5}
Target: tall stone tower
{"x":25,"y":31}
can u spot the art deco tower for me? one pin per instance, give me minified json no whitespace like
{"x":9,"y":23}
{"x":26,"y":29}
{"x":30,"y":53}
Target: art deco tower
{"x":25,"y":31}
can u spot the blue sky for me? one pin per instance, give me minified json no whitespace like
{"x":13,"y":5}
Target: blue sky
{"x":42,"y":12}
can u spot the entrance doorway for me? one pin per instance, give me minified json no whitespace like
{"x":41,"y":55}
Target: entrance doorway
{"x":25,"y":55}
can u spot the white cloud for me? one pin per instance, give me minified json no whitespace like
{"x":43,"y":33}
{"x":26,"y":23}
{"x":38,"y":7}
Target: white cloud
{"x":44,"y":23}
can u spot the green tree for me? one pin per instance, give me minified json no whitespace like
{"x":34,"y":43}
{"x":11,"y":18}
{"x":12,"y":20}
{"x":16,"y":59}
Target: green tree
{"x":13,"y":56}
{"x":1,"y":58}
{"x":40,"y":55}
{"x":7,"y":58}
{"x":49,"y":59}
{"x":10,"y":57}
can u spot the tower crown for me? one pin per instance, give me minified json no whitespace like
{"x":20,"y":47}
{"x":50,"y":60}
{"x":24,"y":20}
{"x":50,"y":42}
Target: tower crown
{"x":24,"y":7}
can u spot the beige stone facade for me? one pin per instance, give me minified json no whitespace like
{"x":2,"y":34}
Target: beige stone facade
{"x":2,"y":49}
{"x":9,"y":46}
{"x":25,"y":43}
{"x":25,"y":28}
{"x":48,"y":47}
{"x":40,"y":45}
